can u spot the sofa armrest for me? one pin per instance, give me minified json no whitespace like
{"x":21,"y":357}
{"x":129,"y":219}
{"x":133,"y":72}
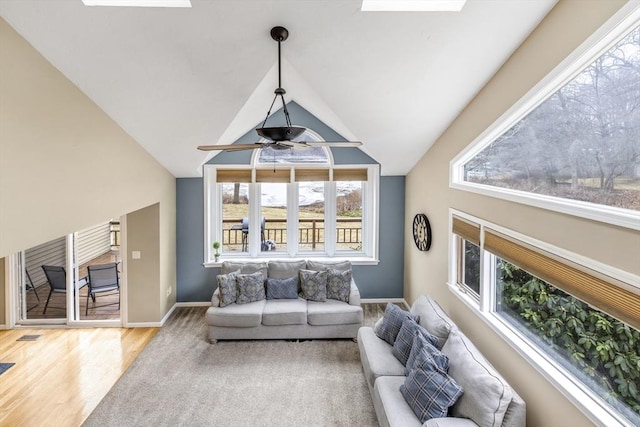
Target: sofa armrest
{"x":354,"y":296}
{"x":215,"y":298}
{"x":449,"y":422}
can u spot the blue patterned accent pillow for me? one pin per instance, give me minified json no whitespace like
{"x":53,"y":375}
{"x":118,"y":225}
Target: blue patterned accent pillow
{"x":250,"y":287}
{"x":228,"y":289}
{"x":313,"y":285}
{"x":392,"y":322}
{"x":404,"y":341}
{"x":419,"y":344}
{"x":338,"y":284}
{"x":282,"y":288}
{"x":428,"y":390}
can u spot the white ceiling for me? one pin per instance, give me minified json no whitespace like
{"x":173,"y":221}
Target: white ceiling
{"x":175,"y":78}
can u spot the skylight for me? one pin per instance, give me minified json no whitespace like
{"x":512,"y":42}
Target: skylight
{"x":139,"y":3}
{"x":412,"y":5}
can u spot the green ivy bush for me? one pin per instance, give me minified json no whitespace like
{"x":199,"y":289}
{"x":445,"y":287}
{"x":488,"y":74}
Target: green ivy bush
{"x":601,"y":347}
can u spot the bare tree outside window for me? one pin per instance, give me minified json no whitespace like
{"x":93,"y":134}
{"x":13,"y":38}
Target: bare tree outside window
{"x":582,"y":143}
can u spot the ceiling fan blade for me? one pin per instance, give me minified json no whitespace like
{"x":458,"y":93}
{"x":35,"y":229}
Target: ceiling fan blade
{"x":230,"y":147}
{"x":291,"y":144}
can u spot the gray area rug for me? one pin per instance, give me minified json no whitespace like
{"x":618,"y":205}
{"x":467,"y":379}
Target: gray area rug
{"x":181,"y":379}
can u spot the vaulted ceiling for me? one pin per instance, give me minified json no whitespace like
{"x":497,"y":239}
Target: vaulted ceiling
{"x":176,"y":78}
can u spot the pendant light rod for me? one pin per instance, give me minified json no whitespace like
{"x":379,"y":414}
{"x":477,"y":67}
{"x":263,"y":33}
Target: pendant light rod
{"x":279,"y":133}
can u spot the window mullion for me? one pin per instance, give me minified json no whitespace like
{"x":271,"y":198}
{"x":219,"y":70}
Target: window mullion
{"x":292,"y":219}
{"x":254,"y":219}
{"x":487,"y":278}
{"x":330,"y":217}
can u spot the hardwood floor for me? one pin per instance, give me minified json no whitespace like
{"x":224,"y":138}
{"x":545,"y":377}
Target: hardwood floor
{"x":60,"y":378}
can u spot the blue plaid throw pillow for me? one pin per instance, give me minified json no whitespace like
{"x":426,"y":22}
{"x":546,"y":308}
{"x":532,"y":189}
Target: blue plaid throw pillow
{"x":428,"y":390}
{"x":404,"y":341}
{"x":392,"y":322}
{"x":282,"y":288}
{"x":420,"y":343}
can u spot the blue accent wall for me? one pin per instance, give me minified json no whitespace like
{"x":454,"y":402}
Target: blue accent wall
{"x":385,"y":280}
{"x":197,"y":283}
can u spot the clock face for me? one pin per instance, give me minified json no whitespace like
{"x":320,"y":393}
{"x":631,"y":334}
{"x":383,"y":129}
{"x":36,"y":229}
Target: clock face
{"x":422,"y":232}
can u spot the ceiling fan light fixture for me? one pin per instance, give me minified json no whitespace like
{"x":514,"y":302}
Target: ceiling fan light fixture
{"x":279,"y":133}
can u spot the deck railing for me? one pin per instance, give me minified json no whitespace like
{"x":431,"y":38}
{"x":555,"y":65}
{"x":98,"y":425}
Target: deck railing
{"x":310,"y":232}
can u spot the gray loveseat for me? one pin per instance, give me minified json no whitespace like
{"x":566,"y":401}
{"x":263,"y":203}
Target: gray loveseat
{"x":295,"y":318}
{"x":487,"y":399}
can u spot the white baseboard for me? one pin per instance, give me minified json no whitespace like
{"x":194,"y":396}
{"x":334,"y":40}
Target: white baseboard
{"x":152,"y":324}
{"x":384,"y":301}
{"x":194,"y":304}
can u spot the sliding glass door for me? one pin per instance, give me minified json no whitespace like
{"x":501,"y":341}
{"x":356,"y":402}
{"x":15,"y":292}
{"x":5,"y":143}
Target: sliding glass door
{"x":52,"y":279}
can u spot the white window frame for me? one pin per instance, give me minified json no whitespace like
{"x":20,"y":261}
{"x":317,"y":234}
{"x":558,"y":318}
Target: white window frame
{"x":603,"y":39}
{"x":370,"y":218}
{"x":589,"y":403}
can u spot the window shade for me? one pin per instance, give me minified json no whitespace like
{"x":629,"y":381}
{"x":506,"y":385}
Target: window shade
{"x":233,"y":175}
{"x":312,"y":175}
{"x":605,"y":295}
{"x":466,"y":229}
{"x":359,"y":174}
{"x":271,"y":175}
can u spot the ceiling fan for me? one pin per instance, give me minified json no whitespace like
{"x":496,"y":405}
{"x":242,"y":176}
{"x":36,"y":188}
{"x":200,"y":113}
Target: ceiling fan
{"x":279,"y":137}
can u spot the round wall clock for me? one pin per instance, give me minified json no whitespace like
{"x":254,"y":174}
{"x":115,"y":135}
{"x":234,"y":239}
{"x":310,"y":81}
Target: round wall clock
{"x":422,"y":232}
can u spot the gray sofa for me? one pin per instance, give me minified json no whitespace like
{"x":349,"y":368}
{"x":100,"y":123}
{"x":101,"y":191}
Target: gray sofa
{"x":487,"y":399}
{"x":284,"y":318}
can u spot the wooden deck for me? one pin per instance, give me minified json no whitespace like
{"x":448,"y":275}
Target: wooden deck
{"x":105,"y":308}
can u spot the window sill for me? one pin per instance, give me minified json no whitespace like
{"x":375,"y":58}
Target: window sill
{"x":355,"y":260}
{"x":587,"y":402}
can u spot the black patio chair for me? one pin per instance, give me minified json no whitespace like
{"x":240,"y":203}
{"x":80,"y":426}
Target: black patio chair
{"x":57,"y":278}
{"x":102,"y":278}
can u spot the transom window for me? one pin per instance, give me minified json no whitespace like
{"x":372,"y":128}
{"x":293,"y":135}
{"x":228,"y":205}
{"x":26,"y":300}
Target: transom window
{"x":300,"y":203}
{"x":577,"y":137}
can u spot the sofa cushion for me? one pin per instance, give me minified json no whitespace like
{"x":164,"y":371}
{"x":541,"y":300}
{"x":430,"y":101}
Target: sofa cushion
{"x":324,"y":265}
{"x":404,"y":341}
{"x":236,"y":315}
{"x":432,"y":318}
{"x":244,"y":267}
{"x":313,"y":285}
{"x":377,"y":360}
{"x":428,"y":390}
{"x":487,"y":395}
{"x":391,"y":408}
{"x":392,"y":322}
{"x":227,"y":288}
{"x":333,"y":312}
{"x":420,"y":343}
{"x":250,"y":287}
{"x":284,"y":269}
{"x":282,"y":288}
{"x":338,"y":284}
{"x":285,"y":312}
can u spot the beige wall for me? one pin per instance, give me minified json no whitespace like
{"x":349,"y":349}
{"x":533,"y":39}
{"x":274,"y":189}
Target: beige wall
{"x":65,"y":165}
{"x":427,"y":191}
